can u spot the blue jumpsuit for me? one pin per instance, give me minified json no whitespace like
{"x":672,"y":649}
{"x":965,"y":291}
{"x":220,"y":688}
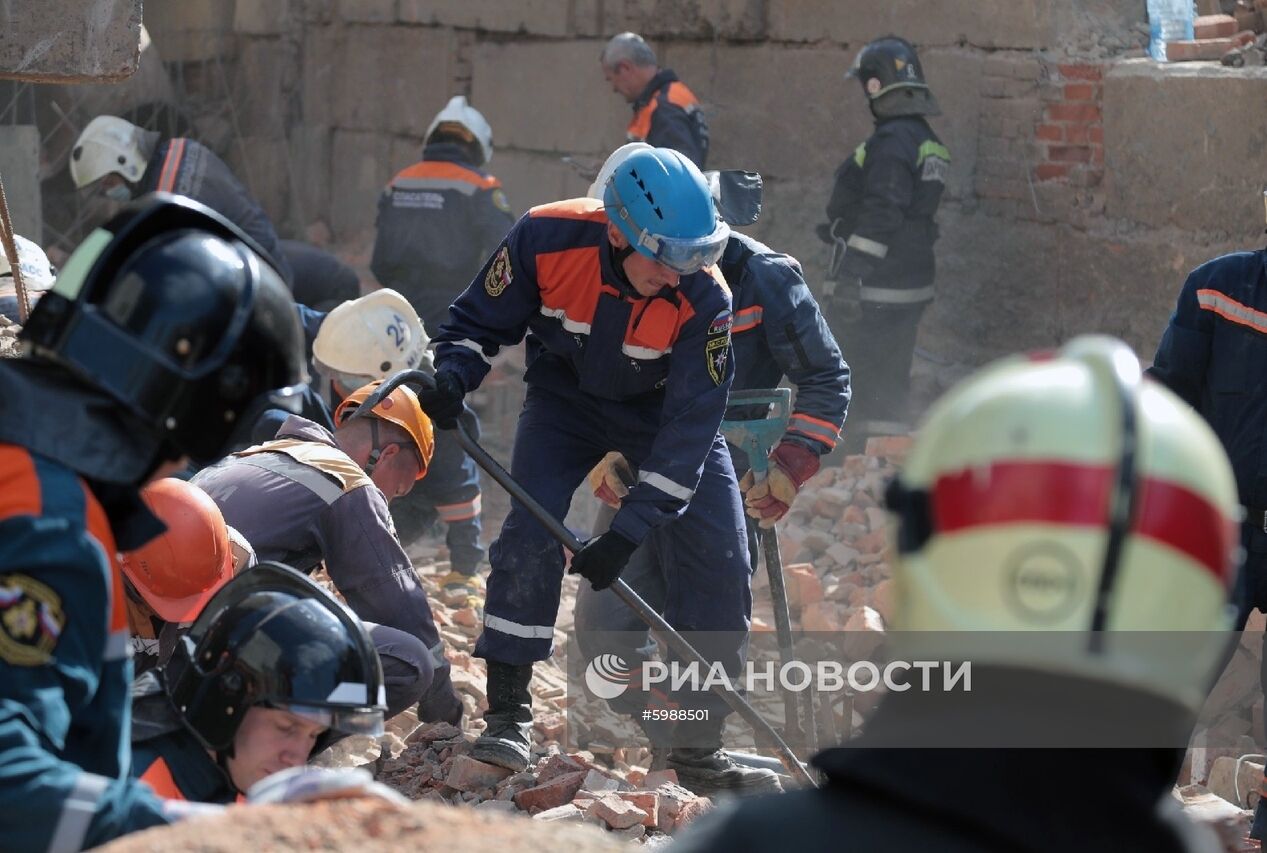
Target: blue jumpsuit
{"x":65,"y":670}
{"x":1213,"y":354}
{"x":607,"y":369}
{"x":778,"y":332}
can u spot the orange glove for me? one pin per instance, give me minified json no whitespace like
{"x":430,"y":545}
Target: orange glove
{"x":790,"y":466}
{"x":611,"y":479}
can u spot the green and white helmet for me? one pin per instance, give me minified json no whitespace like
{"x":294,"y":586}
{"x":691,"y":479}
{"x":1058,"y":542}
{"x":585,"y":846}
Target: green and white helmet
{"x":1069,"y":502}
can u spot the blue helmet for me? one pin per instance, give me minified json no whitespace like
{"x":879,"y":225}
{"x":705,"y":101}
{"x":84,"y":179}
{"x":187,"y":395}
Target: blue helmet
{"x":661,"y":203}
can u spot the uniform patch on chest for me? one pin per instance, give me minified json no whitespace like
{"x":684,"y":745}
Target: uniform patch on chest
{"x":721,"y":323}
{"x":31,"y":620}
{"x":499,"y":273}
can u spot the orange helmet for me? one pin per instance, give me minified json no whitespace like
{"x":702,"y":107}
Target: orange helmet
{"x":401,"y":407}
{"x":179,"y":571}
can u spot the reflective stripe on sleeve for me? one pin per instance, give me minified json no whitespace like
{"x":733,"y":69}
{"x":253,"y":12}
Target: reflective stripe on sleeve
{"x":867,"y":246}
{"x":664,"y":484}
{"x":77,"y":811}
{"x":514,"y":629}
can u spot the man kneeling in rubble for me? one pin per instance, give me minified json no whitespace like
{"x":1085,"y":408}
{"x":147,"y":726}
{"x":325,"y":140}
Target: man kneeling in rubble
{"x":272,"y":671}
{"x":311,"y":496}
{"x":1069,"y":532}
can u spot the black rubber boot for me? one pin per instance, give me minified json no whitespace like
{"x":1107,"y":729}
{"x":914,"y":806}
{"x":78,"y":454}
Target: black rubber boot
{"x":704,"y":768}
{"x":507,"y":740}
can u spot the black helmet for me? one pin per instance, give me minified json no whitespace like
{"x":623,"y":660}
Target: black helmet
{"x":172,"y":311}
{"x":273,"y":637}
{"x":892,"y":78}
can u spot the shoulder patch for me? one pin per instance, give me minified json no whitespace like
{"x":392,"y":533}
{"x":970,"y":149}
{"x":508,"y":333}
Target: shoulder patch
{"x":721,"y":323}
{"x":500,"y":201}
{"x":716,"y":351}
{"x":31,"y":620}
{"x":499,"y":273}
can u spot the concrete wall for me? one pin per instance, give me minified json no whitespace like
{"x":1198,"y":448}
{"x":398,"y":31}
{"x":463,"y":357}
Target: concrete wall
{"x":1084,"y":182}
{"x":69,"y":40}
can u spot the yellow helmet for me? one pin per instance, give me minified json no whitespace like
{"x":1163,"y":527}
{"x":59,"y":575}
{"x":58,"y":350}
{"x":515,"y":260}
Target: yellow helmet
{"x":1065,"y":499}
{"x":401,"y":407}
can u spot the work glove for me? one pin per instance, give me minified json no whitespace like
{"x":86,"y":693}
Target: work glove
{"x":306,"y":784}
{"x":843,"y":301}
{"x":611,"y":479}
{"x":769,"y":500}
{"x":826,"y":231}
{"x":600,"y":561}
{"x":443,"y":404}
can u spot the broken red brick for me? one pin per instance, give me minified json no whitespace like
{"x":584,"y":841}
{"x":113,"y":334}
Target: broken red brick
{"x":648,"y":801}
{"x":1214,"y":27}
{"x":1069,"y":154}
{"x":557,"y":792}
{"x":467,"y":774}
{"x":616,"y":812}
{"x":1198,"y":50}
{"x":803,"y":585}
{"x":558,"y":765}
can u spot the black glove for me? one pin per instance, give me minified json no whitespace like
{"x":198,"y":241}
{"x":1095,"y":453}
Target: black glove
{"x":823,"y":230}
{"x":443,"y":404}
{"x":601,"y":560}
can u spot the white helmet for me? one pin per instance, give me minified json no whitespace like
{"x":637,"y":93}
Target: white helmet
{"x":108,"y":144}
{"x":37,"y":272}
{"x":1089,"y":514}
{"x":611,"y":164}
{"x":458,"y":111}
{"x":371,"y":338}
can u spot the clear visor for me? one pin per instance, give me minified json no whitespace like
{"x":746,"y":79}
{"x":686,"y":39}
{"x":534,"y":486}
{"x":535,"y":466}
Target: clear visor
{"x":350,"y":721}
{"x":688,"y":256}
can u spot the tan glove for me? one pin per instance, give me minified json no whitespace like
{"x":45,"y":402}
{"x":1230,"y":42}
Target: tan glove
{"x":611,"y":479}
{"x":768,"y":501}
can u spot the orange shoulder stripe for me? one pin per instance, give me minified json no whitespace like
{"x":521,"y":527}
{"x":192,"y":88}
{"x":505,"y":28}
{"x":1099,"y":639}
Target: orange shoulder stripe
{"x":573,"y":208}
{"x":448,"y":172}
{"x":98,"y":526}
{"x":159,"y":777}
{"x":171,"y":165}
{"x":19,"y":484}
{"x":680,"y":96}
{"x":641,"y":124}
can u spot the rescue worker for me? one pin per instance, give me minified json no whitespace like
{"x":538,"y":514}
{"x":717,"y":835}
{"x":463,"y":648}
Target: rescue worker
{"x":439,"y":218}
{"x":118,"y":161}
{"x":273,"y":671}
{"x":882,"y":229}
{"x":169,"y":579}
{"x":628,"y":342}
{"x":778,"y":332}
{"x":38,"y":277}
{"x":311,"y":496}
{"x":322,"y":281}
{"x":1046,"y":524}
{"x":164,"y":326}
{"x":1212,"y":354}
{"x":666,"y":114}
{"x":371,"y":338}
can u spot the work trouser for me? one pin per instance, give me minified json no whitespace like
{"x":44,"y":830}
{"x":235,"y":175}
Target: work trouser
{"x":604,"y":624}
{"x":878,"y":341}
{"x":449,"y":493}
{"x":1250,"y":594}
{"x":559,"y":438}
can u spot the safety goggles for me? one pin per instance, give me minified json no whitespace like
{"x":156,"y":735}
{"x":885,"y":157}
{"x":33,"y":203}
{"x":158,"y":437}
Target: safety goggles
{"x":683,"y":255}
{"x":350,"y":721}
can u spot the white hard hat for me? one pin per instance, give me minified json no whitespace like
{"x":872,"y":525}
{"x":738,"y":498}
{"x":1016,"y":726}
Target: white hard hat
{"x":370,"y":338}
{"x":37,"y":272}
{"x":108,"y":144}
{"x":458,"y":111}
{"x":611,"y":164}
{"x":1062,"y":514}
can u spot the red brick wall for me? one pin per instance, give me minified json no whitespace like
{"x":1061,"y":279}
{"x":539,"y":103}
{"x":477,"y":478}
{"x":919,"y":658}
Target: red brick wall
{"x":1069,"y":137}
